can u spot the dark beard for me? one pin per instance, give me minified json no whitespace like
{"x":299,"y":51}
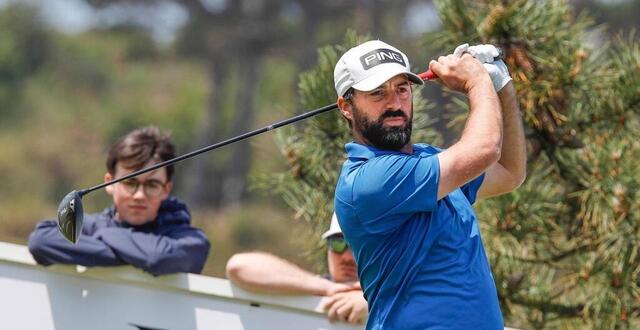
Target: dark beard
{"x":389,"y":138}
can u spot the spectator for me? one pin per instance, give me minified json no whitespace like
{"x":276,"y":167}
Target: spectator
{"x":144,"y":227}
{"x":266,"y":273}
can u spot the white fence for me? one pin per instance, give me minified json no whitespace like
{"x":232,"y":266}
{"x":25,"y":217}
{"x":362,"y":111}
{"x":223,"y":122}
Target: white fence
{"x":59,"y":297}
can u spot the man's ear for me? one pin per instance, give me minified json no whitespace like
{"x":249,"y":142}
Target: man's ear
{"x":108,"y":177}
{"x":167,"y":190}
{"x":345,"y":108}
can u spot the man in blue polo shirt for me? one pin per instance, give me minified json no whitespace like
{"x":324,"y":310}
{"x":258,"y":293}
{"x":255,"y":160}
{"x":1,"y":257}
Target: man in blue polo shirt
{"x":404,"y":208}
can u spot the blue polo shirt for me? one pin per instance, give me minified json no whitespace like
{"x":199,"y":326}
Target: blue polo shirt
{"x":420,"y":260}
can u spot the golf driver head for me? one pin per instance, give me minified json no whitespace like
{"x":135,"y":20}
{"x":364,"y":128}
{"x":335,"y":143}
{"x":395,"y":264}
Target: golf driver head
{"x":70,"y":216}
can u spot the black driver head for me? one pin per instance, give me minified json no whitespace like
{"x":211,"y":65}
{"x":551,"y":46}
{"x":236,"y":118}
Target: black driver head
{"x":70,"y":216}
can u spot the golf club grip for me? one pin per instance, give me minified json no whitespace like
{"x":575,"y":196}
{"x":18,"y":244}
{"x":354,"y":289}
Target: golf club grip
{"x":427,"y":75}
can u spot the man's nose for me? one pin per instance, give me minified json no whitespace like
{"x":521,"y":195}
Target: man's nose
{"x":347,"y":256}
{"x":139,"y":193}
{"x":393,"y":100}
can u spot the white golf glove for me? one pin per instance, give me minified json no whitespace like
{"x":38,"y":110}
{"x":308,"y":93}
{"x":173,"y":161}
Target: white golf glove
{"x":499,"y":74}
{"x":487,"y":55}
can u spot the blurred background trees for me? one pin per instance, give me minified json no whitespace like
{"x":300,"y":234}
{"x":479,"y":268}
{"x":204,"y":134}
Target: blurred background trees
{"x":564,"y":248}
{"x":75,"y":75}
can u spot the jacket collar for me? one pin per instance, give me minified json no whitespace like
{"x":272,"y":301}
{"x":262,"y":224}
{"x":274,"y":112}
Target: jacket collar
{"x":172,"y":211}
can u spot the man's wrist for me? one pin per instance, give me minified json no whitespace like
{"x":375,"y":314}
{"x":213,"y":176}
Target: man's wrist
{"x":480,"y":84}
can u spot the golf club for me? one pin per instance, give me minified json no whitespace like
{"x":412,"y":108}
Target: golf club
{"x":70,"y":211}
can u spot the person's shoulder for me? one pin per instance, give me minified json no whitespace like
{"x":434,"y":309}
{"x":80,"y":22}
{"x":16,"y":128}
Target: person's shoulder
{"x":424,"y":148}
{"x":173,"y":204}
{"x":174,"y":212}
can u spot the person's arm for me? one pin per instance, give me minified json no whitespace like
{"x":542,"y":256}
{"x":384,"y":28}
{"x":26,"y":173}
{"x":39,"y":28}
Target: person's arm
{"x":185,"y":249}
{"x":48,"y":246}
{"x":266,"y":273}
{"x":510,"y":171}
{"x":480,"y":144}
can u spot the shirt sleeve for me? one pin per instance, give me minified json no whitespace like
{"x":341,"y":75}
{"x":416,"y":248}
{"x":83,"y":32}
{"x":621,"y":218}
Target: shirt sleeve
{"x":386,"y":189}
{"x":471,"y":188}
{"x":184,"y":249}
{"x":48,"y":246}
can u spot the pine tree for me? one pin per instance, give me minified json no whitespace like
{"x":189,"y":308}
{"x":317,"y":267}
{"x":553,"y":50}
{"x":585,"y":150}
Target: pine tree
{"x":564,"y":247}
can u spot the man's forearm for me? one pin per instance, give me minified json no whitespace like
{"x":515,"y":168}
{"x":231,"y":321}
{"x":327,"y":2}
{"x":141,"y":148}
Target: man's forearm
{"x":266,"y":273}
{"x":480,"y":144}
{"x":158,"y":254}
{"x":48,"y":246}
{"x":513,"y":156}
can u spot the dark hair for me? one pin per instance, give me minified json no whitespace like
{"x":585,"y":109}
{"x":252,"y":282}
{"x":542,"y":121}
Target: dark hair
{"x":348,"y":95}
{"x":140,"y":146}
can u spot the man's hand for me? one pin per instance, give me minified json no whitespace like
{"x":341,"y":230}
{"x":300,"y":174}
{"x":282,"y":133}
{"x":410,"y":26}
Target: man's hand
{"x":460,"y":72}
{"x":348,"y":306}
{"x":483,"y":53}
{"x":488,"y":55}
{"x":499,"y":74}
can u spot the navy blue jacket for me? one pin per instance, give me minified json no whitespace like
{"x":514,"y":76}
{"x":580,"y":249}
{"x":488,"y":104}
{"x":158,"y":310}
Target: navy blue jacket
{"x":167,"y":245}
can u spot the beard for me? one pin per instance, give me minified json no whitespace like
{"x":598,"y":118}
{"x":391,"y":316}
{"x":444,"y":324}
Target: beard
{"x":388,"y":138}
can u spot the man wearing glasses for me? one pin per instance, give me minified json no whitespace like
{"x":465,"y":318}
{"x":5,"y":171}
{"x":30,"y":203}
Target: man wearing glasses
{"x":144,"y":227}
{"x":266,"y":273}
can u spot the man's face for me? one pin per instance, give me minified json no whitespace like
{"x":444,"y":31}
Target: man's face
{"x":138,"y":199}
{"x":382,"y":117}
{"x":342,"y":266}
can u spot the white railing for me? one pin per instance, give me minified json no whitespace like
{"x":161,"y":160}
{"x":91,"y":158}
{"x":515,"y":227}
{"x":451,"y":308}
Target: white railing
{"x":60,"y":297}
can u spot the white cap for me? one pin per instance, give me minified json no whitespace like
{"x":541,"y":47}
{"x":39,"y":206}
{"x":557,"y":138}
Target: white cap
{"x":369,"y":65}
{"x":334,"y":228}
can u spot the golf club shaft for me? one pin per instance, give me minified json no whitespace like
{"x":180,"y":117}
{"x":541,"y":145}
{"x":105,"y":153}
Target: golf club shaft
{"x":428,"y":75}
{"x":213,"y":146}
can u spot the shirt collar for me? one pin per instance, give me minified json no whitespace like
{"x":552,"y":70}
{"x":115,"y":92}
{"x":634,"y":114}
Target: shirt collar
{"x":360,"y":151}
{"x":357,"y":150}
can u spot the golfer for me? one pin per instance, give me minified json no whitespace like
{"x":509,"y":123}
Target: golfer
{"x":405,"y":209}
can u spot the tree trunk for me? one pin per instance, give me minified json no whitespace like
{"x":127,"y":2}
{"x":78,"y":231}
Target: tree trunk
{"x":202,"y":178}
{"x":234,"y":178}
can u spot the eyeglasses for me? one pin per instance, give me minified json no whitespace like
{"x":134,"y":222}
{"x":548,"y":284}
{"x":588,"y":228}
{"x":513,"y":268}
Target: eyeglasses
{"x":337,"y":244}
{"x":151,"y":188}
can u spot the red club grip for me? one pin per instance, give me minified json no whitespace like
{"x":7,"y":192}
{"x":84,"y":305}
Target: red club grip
{"x":427,"y":75}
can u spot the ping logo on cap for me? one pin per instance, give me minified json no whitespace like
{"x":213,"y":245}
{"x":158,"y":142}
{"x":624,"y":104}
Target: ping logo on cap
{"x":381,"y":56}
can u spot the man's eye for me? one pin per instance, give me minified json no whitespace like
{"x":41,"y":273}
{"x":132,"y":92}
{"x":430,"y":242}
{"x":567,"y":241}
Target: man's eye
{"x":130,"y":183}
{"x":153,"y":184}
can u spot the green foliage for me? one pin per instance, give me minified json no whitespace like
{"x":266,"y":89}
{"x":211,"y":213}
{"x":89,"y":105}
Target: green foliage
{"x":88,"y":92}
{"x":564,"y":246}
{"x":24,"y":46}
{"x":315,"y":151}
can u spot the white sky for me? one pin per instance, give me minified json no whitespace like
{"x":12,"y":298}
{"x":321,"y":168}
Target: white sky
{"x":163,"y":19}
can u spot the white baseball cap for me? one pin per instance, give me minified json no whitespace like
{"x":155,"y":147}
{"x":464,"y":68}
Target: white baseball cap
{"x":369,"y":65}
{"x":334,"y":228}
